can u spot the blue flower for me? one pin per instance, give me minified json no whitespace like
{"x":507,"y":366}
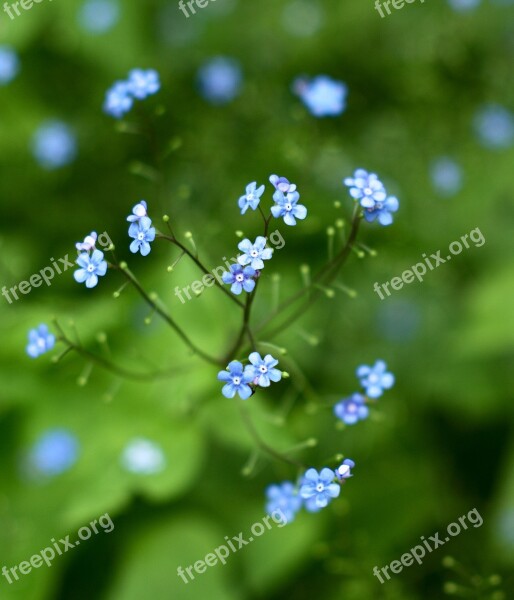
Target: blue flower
{"x":236,"y":380}
{"x":287,"y":207}
{"x":463,"y":5}
{"x":446,"y":176}
{"x":143,"y":233}
{"x":382,"y":211}
{"x":283,"y":497}
{"x":252,"y":197}
{"x":375,"y":379}
{"x":254,"y":254}
{"x":92,"y":267}
{"x":352,"y":409}
{"x":282,"y":184}
{"x":323,"y":96}
{"x":88,"y":243}
{"x":40,"y":341}
{"x":9,"y":64}
{"x":142,"y":83}
{"x":240,"y":278}
{"x":220,"y":80}
{"x":262,"y":369}
{"x":318,"y":489}
{"x":54,"y":453}
{"x":143,"y":457}
{"x":494,"y":126}
{"x":54,"y":145}
{"x":344,"y":470}
{"x":140,"y":210}
{"x":366,"y":188}
{"x":99,"y":16}
{"x":118,"y":100}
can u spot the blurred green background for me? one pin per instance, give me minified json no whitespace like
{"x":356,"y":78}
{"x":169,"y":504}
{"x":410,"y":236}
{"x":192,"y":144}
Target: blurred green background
{"x":436,"y":446}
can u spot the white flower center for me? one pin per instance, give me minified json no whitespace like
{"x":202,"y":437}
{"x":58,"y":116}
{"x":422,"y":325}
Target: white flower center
{"x":250,"y":197}
{"x":373,"y":378}
{"x":240,"y":277}
{"x":263,"y":369}
{"x":289,"y":206}
{"x":90,"y":268}
{"x":254,"y":253}
{"x":141,"y":236}
{"x":368,"y":191}
{"x":236,"y":380}
{"x":320,"y":487}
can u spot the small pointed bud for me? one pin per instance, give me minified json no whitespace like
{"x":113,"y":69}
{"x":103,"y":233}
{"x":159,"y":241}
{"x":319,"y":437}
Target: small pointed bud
{"x":285,"y":375}
{"x":239,"y":233}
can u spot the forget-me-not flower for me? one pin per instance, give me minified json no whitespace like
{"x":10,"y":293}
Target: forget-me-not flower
{"x":251,"y":198}
{"x":318,"y":489}
{"x":282,"y":183}
{"x":263,"y":369}
{"x":446,"y":176}
{"x":88,"y":243}
{"x":241,"y":278}
{"x":99,"y":16}
{"x":118,"y":100}
{"x":40,"y":341}
{"x":352,"y":409}
{"x":283,"y":497}
{"x":382,"y":211}
{"x":54,"y":145}
{"x":9,"y":64}
{"x":55,"y":452}
{"x":494,"y":126}
{"x":220,"y":79}
{"x":143,"y":457}
{"x":323,"y":96}
{"x":143,"y":233}
{"x":375,"y":379}
{"x":236,"y":381}
{"x":288,"y":208}
{"x":139,"y":211}
{"x":366,"y":188}
{"x":344,"y":471}
{"x":91,"y":267}
{"x":254,"y":254}
{"x":143,"y":83}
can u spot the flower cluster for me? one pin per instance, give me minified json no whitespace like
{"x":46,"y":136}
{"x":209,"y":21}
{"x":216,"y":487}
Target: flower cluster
{"x":139,"y":85}
{"x":374,"y":380}
{"x":371,"y":194}
{"x":286,"y":200}
{"x":141,"y":229}
{"x":314,"y":492}
{"x":242,"y":380}
{"x":90,"y":260}
{"x":40,"y":341}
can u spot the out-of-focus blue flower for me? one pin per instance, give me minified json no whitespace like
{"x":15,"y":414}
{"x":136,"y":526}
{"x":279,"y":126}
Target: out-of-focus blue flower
{"x":287,"y":207}
{"x":282,"y":184}
{"x":366,"y":188}
{"x":88,"y":243}
{"x":446,"y":176}
{"x":343,"y":472}
{"x":463,"y":5}
{"x":118,"y":100}
{"x":398,"y":320}
{"x":263,"y":369}
{"x":143,"y":233}
{"x":375,"y":379}
{"x":236,"y":381}
{"x":143,"y":457}
{"x":382,"y":211}
{"x":99,"y":16}
{"x":143,"y":83}
{"x":9,"y":64}
{"x":54,"y":145}
{"x":323,"y":96}
{"x":283,"y":497}
{"x":139,"y":211}
{"x":352,"y":409}
{"x":240,"y":278}
{"x":494,"y":126}
{"x":318,"y":489}
{"x":55,"y":452}
{"x":252,"y":197}
{"x":220,"y":80}
{"x":92,"y":267}
{"x":40,"y":341}
{"x":254,"y":254}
